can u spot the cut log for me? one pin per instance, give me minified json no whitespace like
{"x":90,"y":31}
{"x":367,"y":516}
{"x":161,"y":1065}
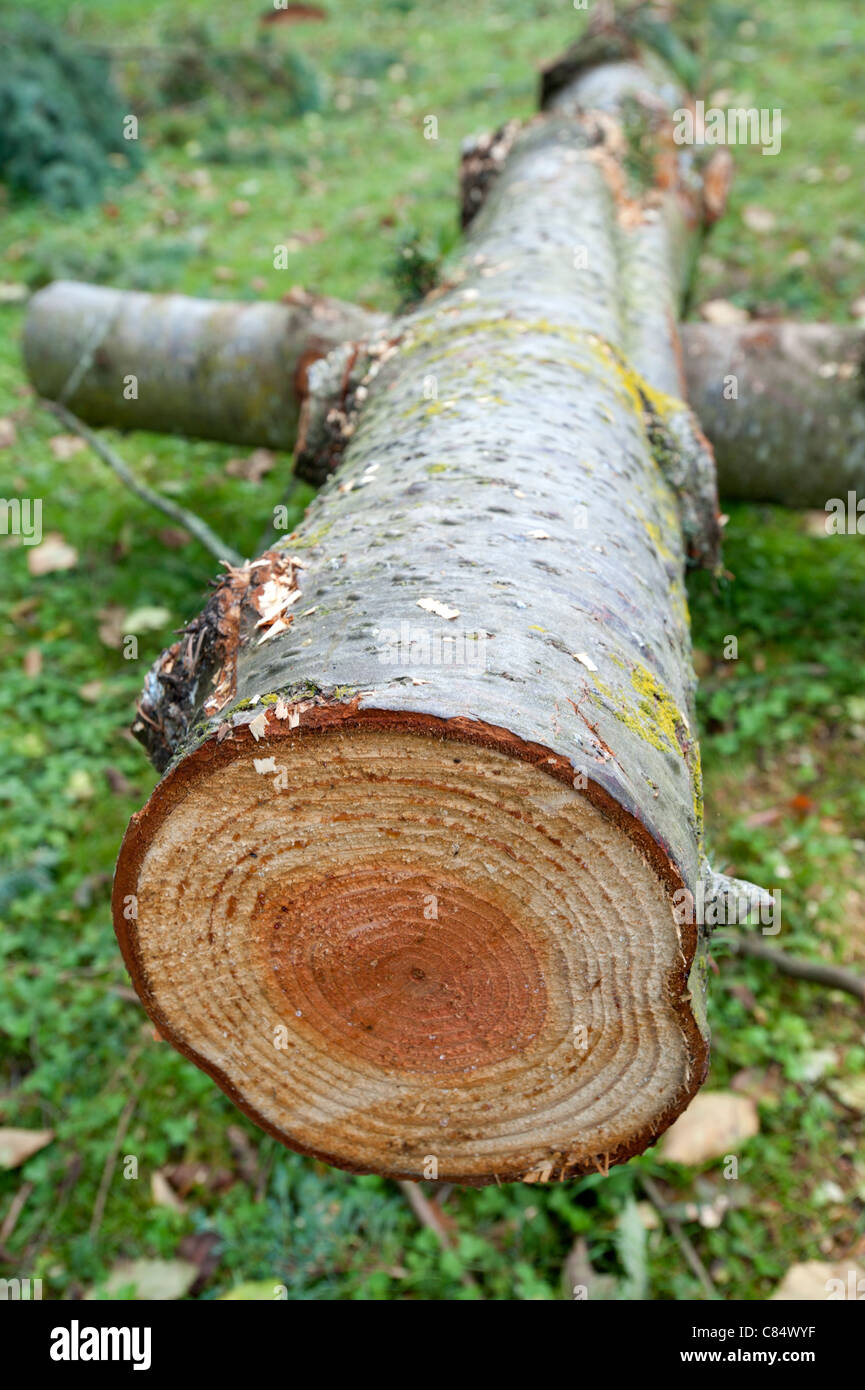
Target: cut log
{"x":784,"y":407}
{"x":232,"y":371}
{"x":414,"y":889}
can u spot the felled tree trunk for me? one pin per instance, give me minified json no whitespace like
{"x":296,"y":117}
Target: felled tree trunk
{"x":414,"y":887}
{"x":232,"y":371}
{"x":784,"y":407}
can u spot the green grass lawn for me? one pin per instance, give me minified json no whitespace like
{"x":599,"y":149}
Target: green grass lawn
{"x":783,"y":727}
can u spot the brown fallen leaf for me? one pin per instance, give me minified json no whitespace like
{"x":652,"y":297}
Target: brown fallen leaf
{"x":64,"y":446}
{"x":163,"y":1193}
{"x":818,"y":1281}
{"x":292,"y":14}
{"x":91,"y":691}
{"x":173,"y":537}
{"x":52,"y":555}
{"x":24,"y":610}
{"x":186,"y":1176}
{"x":244,"y":1153}
{"x":717,"y":178}
{"x":33,"y":662}
{"x":112,"y":625}
{"x":758,"y":219}
{"x":850,"y":1091}
{"x":17,"y":1145}
{"x":119,"y":784}
{"x":253,"y":468}
{"x":722,"y":311}
{"x":758,"y":1084}
{"x":714,"y":1124}
{"x":813,"y":523}
{"x":201,"y":1248}
{"x":8,"y":432}
{"x":767,"y":817}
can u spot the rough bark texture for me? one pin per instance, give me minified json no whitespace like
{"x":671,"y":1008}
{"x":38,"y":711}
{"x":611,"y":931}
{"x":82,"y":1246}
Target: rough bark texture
{"x":794,"y":431}
{"x":232,"y":371}
{"x":408,"y":889}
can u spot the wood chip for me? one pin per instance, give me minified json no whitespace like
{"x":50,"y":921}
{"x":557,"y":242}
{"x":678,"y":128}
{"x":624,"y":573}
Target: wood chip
{"x":441,"y":610}
{"x":258,"y":726}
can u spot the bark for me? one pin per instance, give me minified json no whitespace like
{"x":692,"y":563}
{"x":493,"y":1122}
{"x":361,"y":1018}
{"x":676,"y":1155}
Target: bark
{"x":213,"y":370}
{"x":784,"y":407}
{"x":411,"y":890}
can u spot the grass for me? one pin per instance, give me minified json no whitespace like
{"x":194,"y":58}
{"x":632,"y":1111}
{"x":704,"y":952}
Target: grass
{"x":783,"y":725}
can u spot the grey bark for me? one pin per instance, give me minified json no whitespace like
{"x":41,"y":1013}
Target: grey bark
{"x":784,"y":407}
{"x":232,"y":371}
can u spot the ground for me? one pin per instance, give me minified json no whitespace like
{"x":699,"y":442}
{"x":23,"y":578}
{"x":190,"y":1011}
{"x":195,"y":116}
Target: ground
{"x":783,"y":725}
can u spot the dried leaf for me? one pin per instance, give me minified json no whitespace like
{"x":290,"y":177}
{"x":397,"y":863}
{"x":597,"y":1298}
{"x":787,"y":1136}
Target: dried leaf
{"x":64,"y":446}
{"x":91,"y":691}
{"x":119,"y":784}
{"x":152,"y":1280}
{"x":146,"y":619}
{"x":52,"y":555}
{"x":112,"y":625}
{"x":163,"y":1193}
{"x":758,"y":219}
{"x":850,"y":1090}
{"x":816,"y":1281}
{"x":17,"y":1145}
{"x":253,"y":468}
{"x":722,"y":311}
{"x":33,"y":662}
{"x":714,"y":1124}
{"x":13,"y":291}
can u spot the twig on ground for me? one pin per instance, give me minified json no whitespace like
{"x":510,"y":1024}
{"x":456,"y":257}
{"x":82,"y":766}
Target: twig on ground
{"x":16,"y":1206}
{"x":111,"y":1162}
{"x":653,"y":1192}
{"x":429,"y":1214}
{"x":818,"y":972}
{"x":219,"y":548}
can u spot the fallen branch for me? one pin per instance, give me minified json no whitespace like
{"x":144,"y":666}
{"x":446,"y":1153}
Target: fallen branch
{"x":784,"y":406}
{"x":671,"y":1221}
{"x":218,"y":548}
{"x":205,"y":368}
{"x":818,"y":972}
{"x":111,"y":1161}
{"x":429,"y":1216}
